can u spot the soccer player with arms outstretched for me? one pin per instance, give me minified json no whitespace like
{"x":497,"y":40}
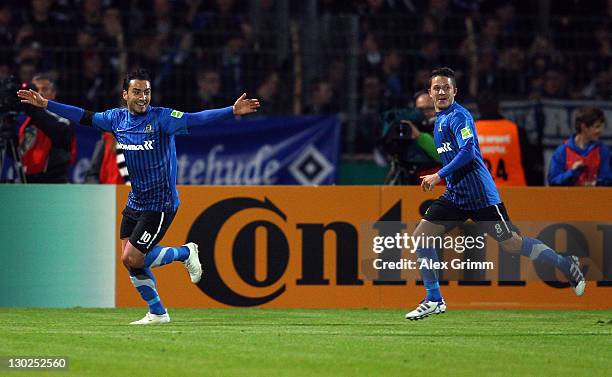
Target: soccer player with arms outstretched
{"x":146,"y":135}
{"x":470,"y":194}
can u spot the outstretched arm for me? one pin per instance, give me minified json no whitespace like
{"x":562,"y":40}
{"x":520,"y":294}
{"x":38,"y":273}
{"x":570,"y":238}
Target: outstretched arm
{"x":72,"y":113}
{"x":242,"y":106}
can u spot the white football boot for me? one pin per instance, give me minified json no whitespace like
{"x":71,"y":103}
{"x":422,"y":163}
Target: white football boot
{"x":152,"y":319}
{"x":576,"y":277}
{"x":425,"y":308}
{"x":192,"y":263}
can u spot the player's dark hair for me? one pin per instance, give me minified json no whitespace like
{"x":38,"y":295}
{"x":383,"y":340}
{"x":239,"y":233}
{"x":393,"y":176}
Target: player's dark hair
{"x":444,"y":72}
{"x":588,"y":116}
{"x":137,"y":74}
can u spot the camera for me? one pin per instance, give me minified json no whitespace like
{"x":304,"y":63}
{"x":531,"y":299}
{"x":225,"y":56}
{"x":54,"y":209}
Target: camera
{"x":8,"y":94}
{"x":397,"y":133}
{"x":399,"y":147}
{"x":10,"y":104}
{"x":10,"y":107}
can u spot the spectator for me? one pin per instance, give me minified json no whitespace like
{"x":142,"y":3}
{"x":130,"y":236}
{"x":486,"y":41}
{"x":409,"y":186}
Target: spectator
{"x":46,"y":141}
{"x":429,"y":27}
{"x":48,"y":29}
{"x":164,"y":22}
{"x":542,"y":56}
{"x":178,"y":68}
{"x":321,"y":98}
{"x":269,"y":95}
{"x":423,"y":102}
{"x":372,"y":57}
{"x":234,"y":67}
{"x":600,"y":88}
{"x":96,"y":91}
{"x":511,"y":80}
{"x":583,"y":160}
{"x":490,"y":34}
{"x":336,"y":75}
{"x":374,"y":17}
{"x":27,"y":69}
{"x":372,"y":105}
{"x":91,"y":15}
{"x":7,"y":35}
{"x":555,"y":84}
{"x":219,"y":23}
{"x":112,"y":42}
{"x":394,"y":80}
{"x":208,"y":95}
{"x":509,"y":26}
{"x":500,"y":143}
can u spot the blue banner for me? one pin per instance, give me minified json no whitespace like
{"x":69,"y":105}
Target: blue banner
{"x":268,"y":151}
{"x":295,"y":150}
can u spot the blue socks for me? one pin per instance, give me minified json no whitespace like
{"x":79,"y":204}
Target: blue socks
{"x":532,"y":248}
{"x":143,"y":278}
{"x":144,"y":282}
{"x":161,"y":255}
{"x":429,"y":276}
{"x":538,"y":251}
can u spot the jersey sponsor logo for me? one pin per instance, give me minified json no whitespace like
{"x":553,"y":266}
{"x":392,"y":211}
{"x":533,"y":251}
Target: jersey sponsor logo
{"x":446,"y":147}
{"x":148,"y":128}
{"x":147,"y":146}
{"x":466,"y":132}
{"x":176,"y":114}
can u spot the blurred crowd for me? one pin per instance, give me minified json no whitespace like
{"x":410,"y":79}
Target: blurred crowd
{"x":203,"y":54}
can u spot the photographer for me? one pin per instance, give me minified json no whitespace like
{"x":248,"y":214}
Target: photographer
{"x":47,"y":145}
{"x":408,"y":143}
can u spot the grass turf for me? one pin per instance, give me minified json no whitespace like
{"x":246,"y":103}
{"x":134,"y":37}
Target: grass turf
{"x":270,"y":342}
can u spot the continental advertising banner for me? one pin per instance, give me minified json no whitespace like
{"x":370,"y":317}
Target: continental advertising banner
{"x":319,"y":247}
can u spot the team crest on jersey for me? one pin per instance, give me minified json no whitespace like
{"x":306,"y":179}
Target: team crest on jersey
{"x":176,"y":114}
{"x":466,"y":132}
{"x":149,"y":128}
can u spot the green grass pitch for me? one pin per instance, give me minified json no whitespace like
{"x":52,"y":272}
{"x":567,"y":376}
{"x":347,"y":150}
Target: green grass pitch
{"x":325,"y":342}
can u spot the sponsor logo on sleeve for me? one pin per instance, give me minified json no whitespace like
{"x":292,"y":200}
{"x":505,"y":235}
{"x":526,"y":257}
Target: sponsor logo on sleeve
{"x":176,"y":114}
{"x":466,"y":132}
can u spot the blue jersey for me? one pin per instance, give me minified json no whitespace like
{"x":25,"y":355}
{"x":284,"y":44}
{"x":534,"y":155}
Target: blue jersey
{"x":471,"y":186}
{"x":147,"y":141}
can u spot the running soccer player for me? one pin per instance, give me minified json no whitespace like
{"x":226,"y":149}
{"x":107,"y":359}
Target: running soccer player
{"x":470,"y":194}
{"x":146,"y":135}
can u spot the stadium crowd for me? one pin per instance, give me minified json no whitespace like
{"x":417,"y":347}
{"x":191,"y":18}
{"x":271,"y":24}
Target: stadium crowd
{"x":203,"y":53}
